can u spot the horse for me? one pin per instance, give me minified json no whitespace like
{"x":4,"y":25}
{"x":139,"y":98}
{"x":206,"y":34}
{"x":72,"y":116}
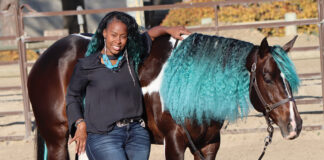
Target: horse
{"x":268,"y":91}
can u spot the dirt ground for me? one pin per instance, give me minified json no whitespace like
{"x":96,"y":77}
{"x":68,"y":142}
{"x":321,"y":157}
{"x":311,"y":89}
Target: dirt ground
{"x":309,"y":145}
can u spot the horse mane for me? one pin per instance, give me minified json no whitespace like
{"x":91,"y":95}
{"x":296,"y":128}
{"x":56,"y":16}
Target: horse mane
{"x":205,"y":79}
{"x":286,"y":67}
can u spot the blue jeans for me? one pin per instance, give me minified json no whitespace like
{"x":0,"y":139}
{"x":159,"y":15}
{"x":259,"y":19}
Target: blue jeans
{"x":130,"y":142}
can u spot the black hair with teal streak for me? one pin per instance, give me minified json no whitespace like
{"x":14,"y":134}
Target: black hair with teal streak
{"x":134,"y":44}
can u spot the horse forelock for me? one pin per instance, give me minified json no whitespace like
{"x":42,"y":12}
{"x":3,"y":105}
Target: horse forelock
{"x":206,"y":78}
{"x":286,"y":66}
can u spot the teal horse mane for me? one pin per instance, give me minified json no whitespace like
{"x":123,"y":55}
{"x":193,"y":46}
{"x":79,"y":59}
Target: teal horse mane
{"x":286,"y":66}
{"x":206,"y":79}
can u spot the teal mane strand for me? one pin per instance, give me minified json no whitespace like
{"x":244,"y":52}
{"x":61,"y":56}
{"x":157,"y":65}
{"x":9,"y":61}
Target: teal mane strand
{"x":92,"y":46}
{"x":205,"y":79}
{"x":286,"y":67}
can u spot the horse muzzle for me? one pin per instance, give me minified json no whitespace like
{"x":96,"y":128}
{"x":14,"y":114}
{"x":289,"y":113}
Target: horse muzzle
{"x":292,"y":129}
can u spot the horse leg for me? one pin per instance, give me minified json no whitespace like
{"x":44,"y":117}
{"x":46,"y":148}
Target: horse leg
{"x":52,"y":123}
{"x":40,"y":146}
{"x":57,"y":143}
{"x":209,"y":151}
{"x":174,"y":145}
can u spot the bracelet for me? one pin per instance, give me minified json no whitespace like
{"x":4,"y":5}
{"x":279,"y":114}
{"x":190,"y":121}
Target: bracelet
{"x":78,"y":122}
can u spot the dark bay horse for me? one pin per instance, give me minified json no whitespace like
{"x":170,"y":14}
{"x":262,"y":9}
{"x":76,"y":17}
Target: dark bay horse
{"x":48,"y":80}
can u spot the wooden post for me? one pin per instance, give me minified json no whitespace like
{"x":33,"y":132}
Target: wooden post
{"x":291,"y":29}
{"x":321,"y":40}
{"x":216,"y":20}
{"x":23,"y":67}
{"x":7,"y":23}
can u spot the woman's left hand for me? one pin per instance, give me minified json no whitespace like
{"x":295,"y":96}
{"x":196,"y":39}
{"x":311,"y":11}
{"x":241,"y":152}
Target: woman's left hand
{"x":80,"y":138}
{"x":176,"y":32}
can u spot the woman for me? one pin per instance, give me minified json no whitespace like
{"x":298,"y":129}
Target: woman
{"x":110,"y":125}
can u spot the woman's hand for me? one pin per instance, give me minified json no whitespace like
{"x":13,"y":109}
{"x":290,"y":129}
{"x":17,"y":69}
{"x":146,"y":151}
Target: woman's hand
{"x":176,"y":32}
{"x":80,"y":137}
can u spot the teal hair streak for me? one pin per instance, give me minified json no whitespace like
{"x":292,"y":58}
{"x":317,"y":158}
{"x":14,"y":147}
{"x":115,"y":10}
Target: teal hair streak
{"x":286,"y":67}
{"x":135,"y":52}
{"x":92,"y":46}
{"x":206,"y":79}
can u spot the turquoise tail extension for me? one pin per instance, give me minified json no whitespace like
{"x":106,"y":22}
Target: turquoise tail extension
{"x":45,"y":151}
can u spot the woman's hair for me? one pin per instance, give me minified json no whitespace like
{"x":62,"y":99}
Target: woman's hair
{"x":134,"y":44}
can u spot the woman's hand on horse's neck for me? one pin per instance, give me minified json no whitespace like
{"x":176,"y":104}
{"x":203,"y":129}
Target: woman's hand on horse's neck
{"x":175,"y":32}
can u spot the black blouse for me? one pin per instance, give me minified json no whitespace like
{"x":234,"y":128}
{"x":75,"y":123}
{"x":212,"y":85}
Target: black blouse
{"x":109,"y":95}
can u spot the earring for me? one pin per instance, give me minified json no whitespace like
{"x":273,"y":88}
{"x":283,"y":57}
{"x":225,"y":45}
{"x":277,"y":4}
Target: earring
{"x":105,"y":46}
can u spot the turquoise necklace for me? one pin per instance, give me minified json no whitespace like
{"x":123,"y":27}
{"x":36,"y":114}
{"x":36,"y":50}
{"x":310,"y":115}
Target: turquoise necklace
{"x":108,"y":63}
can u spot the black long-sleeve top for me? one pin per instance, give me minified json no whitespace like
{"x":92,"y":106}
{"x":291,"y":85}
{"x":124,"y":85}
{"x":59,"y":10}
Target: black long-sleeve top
{"x":109,"y":95}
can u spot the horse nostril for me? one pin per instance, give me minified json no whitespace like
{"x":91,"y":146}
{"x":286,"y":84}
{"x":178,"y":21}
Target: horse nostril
{"x":300,"y":126}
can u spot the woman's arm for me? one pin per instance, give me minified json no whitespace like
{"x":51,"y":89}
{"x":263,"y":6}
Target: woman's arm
{"x":74,"y":97}
{"x":175,"y":32}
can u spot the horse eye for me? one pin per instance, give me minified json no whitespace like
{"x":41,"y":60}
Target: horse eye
{"x":267,"y":78}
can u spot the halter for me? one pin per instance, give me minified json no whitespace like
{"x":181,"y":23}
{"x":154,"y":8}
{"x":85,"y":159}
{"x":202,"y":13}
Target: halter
{"x":268,"y":107}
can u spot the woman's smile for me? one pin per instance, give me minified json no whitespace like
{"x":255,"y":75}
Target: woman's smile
{"x":116,"y":37}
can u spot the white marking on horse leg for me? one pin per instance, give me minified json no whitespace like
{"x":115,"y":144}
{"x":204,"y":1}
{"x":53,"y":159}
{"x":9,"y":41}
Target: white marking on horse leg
{"x":162,"y":104}
{"x":164,"y":147}
{"x":83,"y":156}
{"x":291,"y":109}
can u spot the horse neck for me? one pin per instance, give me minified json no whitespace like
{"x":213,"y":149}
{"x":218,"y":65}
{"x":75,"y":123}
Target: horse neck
{"x":255,"y":101}
{"x":153,"y":64}
{"x":250,"y":59}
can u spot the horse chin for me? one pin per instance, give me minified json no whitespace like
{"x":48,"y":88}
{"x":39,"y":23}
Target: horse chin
{"x":290,"y":131}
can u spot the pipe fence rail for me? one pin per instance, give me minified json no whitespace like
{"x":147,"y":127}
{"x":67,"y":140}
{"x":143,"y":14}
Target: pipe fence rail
{"x":25,"y":11}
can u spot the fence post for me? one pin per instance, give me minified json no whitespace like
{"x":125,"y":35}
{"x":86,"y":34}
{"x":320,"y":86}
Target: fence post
{"x":321,"y":41}
{"x":23,"y":67}
{"x":216,"y":20}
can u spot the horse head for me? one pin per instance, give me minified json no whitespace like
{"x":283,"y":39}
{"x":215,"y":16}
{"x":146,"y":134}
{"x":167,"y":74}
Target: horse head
{"x":272,"y":81}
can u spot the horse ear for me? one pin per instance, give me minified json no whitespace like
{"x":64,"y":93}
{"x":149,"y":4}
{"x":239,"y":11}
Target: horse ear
{"x":290,"y":44}
{"x":264,"y":47}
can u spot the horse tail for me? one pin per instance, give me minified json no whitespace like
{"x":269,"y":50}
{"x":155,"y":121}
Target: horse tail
{"x":40,"y":146}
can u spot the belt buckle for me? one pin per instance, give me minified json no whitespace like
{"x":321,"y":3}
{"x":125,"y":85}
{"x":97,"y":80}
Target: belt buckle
{"x":142,"y":123}
{"x":125,"y":122}
{"x":122,"y":123}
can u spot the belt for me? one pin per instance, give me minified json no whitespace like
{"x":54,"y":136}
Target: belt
{"x":127,"y":121}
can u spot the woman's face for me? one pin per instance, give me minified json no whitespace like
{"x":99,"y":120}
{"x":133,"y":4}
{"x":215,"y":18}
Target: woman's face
{"x":116,"y":37}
